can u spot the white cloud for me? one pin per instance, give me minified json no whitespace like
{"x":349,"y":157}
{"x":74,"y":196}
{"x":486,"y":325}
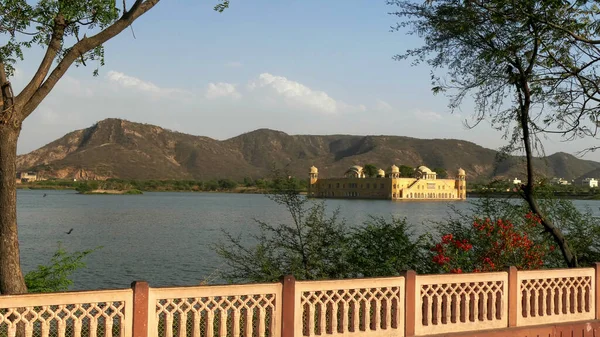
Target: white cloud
{"x":233,"y":64}
{"x":428,"y":116}
{"x":298,"y":95}
{"x":131,"y":82}
{"x":135,"y":83}
{"x":221,"y":89}
{"x":383,"y":106}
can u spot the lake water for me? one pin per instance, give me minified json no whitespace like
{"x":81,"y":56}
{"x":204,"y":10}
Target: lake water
{"x":165,"y":238}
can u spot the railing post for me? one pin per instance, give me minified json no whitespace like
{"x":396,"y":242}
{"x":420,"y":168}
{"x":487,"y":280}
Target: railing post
{"x":597,"y":289}
{"x":140,"y":308}
{"x":513,"y":288}
{"x":288,"y":306}
{"x":410,"y":300}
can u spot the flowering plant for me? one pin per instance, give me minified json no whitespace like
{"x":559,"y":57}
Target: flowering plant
{"x":491,"y":246}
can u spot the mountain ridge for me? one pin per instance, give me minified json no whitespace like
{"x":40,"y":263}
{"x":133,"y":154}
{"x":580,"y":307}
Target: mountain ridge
{"x":117,"y":148}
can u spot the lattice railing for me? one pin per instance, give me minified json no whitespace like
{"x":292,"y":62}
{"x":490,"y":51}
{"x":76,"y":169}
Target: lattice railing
{"x":74,"y":314}
{"x":551,"y":296}
{"x":372,"y":307}
{"x":461,"y":302}
{"x":216,"y":311}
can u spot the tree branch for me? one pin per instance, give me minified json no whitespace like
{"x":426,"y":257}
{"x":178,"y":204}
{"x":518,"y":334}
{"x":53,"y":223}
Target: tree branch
{"x":58,"y":32}
{"x":86,"y":44}
{"x":6,"y":99}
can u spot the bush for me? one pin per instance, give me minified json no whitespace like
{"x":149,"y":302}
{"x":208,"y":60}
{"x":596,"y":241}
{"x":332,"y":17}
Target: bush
{"x":227,"y":184}
{"x":492,"y":246}
{"x":83,"y":188}
{"x":385,"y":248}
{"x":54,"y":277}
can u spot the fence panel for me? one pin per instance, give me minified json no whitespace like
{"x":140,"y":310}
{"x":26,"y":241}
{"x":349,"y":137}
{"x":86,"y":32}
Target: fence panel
{"x":373,"y":307}
{"x":103,"y":313}
{"x":554,"y":296}
{"x":461,"y":302}
{"x":252,"y":310}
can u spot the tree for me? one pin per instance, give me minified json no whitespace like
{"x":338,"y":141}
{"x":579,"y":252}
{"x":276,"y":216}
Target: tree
{"x":502,"y":54}
{"x":249,"y":182}
{"x":227,"y":184}
{"x":574,"y":69}
{"x":60,"y":27}
{"x":406,"y":171}
{"x":310,"y":246}
{"x":441,"y":172}
{"x":370,"y":170}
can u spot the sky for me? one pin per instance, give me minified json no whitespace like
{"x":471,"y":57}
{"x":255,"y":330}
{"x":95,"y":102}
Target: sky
{"x":298,"y":66}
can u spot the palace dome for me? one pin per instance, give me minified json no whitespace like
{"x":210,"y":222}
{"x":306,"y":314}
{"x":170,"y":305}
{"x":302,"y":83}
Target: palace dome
{"x":425,"y":169}
{"x":461,"y":172}
{"x":394,"y":169}
{"x":381,"y":173}
{"x":356,"y":168}
{"x":313,"y":170}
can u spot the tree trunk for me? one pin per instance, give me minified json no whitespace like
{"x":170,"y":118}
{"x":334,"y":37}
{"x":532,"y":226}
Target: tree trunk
{"x":528,"y":190}
{"x":11,"y":276}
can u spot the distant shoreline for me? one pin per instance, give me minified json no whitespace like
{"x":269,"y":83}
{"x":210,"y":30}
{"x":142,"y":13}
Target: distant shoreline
{"x":237,"y":190}
{"x":254,"y":190}
{"x":116,"y":192}
{"x":512,"y":195}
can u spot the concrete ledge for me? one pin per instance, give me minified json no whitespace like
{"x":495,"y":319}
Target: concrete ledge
{"x":570,"y":329}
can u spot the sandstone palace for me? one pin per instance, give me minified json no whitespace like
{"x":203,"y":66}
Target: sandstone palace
{"x":355,"y":185}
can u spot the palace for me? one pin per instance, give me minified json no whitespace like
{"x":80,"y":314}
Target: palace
{"x":356,"y":185}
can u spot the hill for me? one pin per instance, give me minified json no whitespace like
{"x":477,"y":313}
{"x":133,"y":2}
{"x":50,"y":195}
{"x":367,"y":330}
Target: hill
{"x":115,"y":148}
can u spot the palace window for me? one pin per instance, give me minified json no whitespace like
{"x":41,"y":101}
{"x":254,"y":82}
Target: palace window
{"x":381,"y":185}
{"x":338,"y":185}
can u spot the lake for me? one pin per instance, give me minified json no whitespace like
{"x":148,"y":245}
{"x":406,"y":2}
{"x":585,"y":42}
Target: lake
{"x":165,"y":238}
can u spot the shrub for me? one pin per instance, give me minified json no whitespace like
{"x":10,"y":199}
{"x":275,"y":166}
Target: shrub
{"x":385,"y":248}
{"x":491,"y":246}
{"x":54,"y":277}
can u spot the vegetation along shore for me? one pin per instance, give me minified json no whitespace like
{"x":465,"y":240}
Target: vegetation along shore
{"x":259,"y":186}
